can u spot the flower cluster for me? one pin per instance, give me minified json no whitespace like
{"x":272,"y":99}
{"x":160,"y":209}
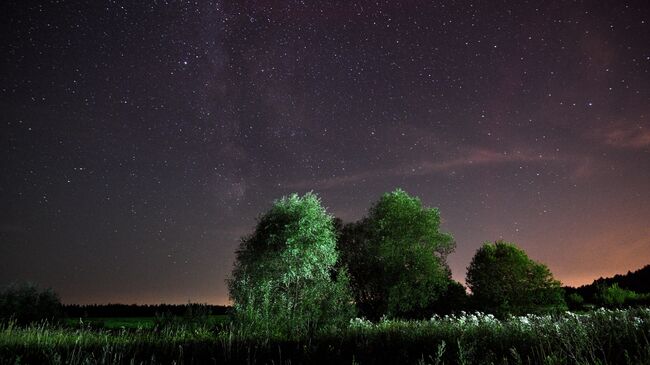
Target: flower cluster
{"x":360,"y":323}
{"x":564,"y":323}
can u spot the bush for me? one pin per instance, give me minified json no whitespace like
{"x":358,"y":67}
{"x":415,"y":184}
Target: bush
{"x":26,"y":302}
{"x":614,"y":296}
{"x":575,"y":301}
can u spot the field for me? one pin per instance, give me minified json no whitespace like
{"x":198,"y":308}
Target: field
{"x":116,"y":323}
{"x":598,"y":337}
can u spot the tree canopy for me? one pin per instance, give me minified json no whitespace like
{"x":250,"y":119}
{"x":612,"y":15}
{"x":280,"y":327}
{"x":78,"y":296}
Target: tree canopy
{"x":503,"y":279}
{"x":284,"y":280}
{"x":396,"y":257}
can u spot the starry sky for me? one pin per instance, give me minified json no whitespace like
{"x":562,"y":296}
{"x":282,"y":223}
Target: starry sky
{"x":141,"y":139}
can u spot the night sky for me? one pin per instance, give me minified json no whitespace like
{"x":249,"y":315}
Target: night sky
{"x":141,"y":139}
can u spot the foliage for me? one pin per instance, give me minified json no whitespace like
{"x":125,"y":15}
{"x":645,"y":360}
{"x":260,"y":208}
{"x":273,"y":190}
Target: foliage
{"x":26,"y":302}
{"x":614,"y":296}
{"x":598,"y":337}
{"x":637,"y":281}
{"x":453,"y":300}
{"x":283,"y":282}
{"x":396,"y":257}
{"x":360,"y":257}
{"x":504,"y":280}
{"x":574,"y":301}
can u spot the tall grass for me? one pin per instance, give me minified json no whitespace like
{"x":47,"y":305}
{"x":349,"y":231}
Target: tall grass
{"x":598,"y":337}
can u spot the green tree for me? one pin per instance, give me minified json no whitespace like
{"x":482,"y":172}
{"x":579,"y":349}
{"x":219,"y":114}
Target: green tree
{"x":396,"y":257}
{"x":284,"y":281}
{"x":615,"y":296}
{"x":503,"y":279}
{"x":26,"y":302}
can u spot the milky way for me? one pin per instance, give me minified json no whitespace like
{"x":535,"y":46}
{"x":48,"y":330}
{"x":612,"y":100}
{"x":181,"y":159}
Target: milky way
{"x":140,"y":141}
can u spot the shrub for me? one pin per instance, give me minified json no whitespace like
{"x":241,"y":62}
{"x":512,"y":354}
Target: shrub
{"x":615,"y":296}
{"x":575,"y":301}
{"x":26,"y":302}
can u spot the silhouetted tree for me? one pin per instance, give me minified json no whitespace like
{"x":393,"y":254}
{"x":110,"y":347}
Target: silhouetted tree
{"x":637,"y":281}
{"x":396,"y":257}
{"x":26,"y":302}
{"x":284,"y":282}
{"x":453,"y":300}
{"x":504,"y":280}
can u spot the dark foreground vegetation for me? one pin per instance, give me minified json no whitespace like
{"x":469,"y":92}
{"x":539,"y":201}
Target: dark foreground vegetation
{"x":599,"y":337}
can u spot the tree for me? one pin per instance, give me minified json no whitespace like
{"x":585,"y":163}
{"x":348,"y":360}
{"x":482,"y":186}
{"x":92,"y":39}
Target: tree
{"x":26,"y":302}
{"x":454,"y":299}
{"x":284,"y":281}
{"x":504,"y":280}
{"x":360,"y":257}
{"x":615,"y":296}
{"x":396,"y":257}
{"x":637,"y":281}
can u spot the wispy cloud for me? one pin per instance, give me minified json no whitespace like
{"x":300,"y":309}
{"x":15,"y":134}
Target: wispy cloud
{"x":478,"y":157}
{"x":632,"y":137}
{"x":472,"y":158}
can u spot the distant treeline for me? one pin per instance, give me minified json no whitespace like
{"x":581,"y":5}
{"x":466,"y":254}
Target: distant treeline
{"x":632,"y":288}
{"x":135,"y":310}
{"x":638,"y":281}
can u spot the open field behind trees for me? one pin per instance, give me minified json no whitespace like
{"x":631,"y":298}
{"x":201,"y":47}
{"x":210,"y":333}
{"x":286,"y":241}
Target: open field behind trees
{"x":141,"y":310}
{"x":132,"y":323}
{"x":598,"y":337}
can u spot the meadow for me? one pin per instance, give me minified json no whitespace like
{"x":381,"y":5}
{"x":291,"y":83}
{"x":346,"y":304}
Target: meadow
{"x":598,"y":337}
{"x":132,"y":323}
